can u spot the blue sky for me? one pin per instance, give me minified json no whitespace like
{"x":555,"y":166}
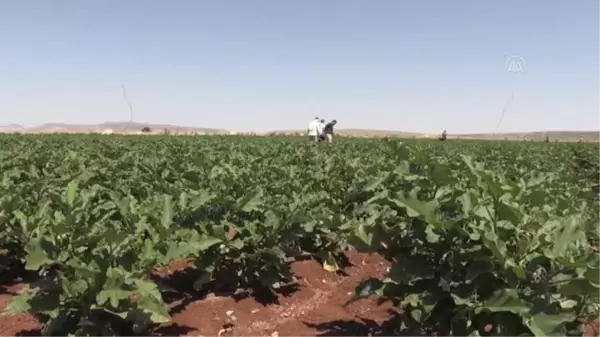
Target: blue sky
{"x":411,"y":65}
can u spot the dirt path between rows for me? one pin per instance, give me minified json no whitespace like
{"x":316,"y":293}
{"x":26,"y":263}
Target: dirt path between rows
{"x":316,"y":307}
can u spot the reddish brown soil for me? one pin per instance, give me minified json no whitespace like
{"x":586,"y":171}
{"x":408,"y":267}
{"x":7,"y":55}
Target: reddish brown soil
{"x":315,"y":308}
{"x":23,"y":324}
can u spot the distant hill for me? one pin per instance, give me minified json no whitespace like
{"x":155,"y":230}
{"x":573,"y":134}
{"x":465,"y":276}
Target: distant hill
{"x":540,"y":135}
{"x":115,"y":127}
{"x":133,"y":127}
{"x":378,"y":133}
{"x":11,"y":128}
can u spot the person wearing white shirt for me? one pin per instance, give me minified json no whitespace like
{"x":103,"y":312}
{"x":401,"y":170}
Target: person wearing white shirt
{"x":313,"y":130}
{"x":444,"y":135}
{"x":320,"y":128}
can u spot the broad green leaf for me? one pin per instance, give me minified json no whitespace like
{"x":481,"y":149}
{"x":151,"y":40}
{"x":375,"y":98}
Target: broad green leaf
{"x":362,"y":233}
{"x":112,"y":296}
{"x":568,"y":233}
{"x":441,"y":175}
{"x":416,"y":208}
{"x":416,"y":314}
{"x":36,"y":255}
{"x":509,"y":213}
{"x":467,"y":201}
{"x":71,"y":193}
{"x":251,"y":202}
{"x":156,"y":308}
{"x":542,"y":324}
{"x":506,"y":300}
{"x":202,"y":198}
{"x":19,"y":304}
{"x":204,"y":243}
{"x":577,"y":287}
{"x":167,"y":216}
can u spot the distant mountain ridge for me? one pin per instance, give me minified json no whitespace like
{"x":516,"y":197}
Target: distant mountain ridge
{"x":133,"y":127}
{"x":11,"y":128}
{"x":538,"y":135}
{"x":116,"y":127}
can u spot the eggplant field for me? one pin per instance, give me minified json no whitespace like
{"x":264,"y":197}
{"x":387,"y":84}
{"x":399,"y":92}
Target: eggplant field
{"x":482,"y":237}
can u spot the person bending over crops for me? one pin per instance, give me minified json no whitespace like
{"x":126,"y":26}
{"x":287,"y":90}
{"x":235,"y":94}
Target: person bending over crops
{"x":327,"y":133}
{"x":320,"y":129}
{"x":313,"y":130}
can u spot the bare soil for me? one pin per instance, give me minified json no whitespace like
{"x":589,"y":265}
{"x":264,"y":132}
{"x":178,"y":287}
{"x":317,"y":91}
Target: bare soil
{"x":315,"y":307}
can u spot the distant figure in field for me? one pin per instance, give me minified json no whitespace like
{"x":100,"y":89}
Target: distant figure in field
{"x":327,"y":133}
{"x":320,"y":129}
{"x":313,"y":130}
{"x":444,"y":135}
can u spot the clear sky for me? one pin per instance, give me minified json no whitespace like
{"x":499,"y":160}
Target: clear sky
{"x":410,"y":65}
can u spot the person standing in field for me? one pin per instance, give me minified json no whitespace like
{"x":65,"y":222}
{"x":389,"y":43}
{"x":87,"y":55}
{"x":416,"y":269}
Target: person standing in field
{"x":444,"y":135}
{"x":320,"y":130}
{"x":328,"y":131}
{"x":313,"y":130}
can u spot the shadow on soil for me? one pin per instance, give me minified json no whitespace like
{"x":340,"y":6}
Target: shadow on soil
{"x":172,"y":330}
{"x":12,"y":274}
{"x":29,"y":332}
{"x":362,"y":327}
{"x":177,"y":289}
{"x":167,"y":330}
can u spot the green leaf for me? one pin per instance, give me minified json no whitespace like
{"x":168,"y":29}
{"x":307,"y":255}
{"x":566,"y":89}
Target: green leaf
{"x":440,"y":175}
{"x":36,"y":255}
{"x":46,"y":303}
{"x":506,"y":300}
{"x":542,"y":324}
{"x":367,"y":288}
{"x":156,"y":308}
{"x":495,"y":244}
{"x":204,"y":243}
{"x":577,"y":287}
{"x":202,"y":198}
{"x":362,"y":234}
{"x":509,"y":213}
{"x":476,"y":268}
{"x":467,"y":201}
{"x":167,"y":216}
{"x":593,"y":275}
{"x":568,"y":233}
{"x":22,"y":220}
{"x":71,"y":193}
{"x":431,"y":237}
{"x":249,"y":204}
{"x":416,"y":314}
{"x":418,"y":209}
{"x":19,"y":304}
{"x":425,"y":302}
{"x":113,"y":296}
